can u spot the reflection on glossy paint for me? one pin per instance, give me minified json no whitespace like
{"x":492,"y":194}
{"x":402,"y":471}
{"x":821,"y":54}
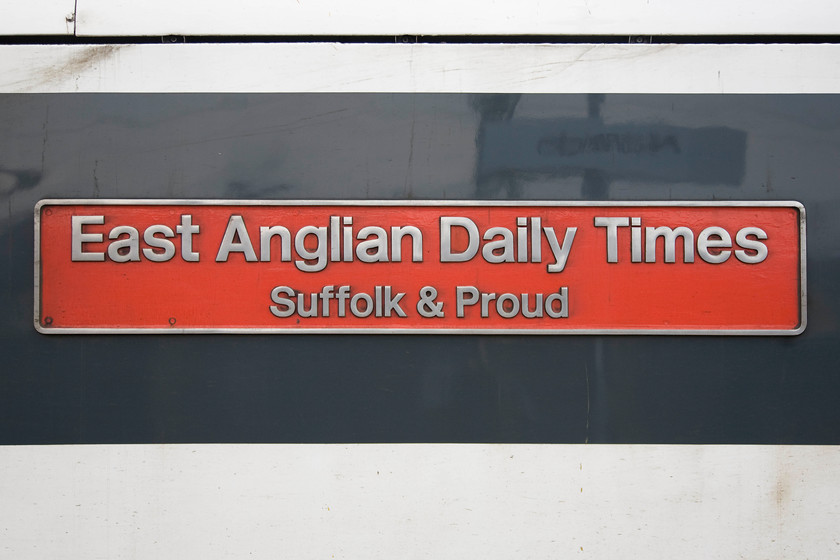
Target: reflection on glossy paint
{"x":513,"y":151}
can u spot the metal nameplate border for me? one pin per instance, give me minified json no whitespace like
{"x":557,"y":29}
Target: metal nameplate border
{"x":802,"y":280}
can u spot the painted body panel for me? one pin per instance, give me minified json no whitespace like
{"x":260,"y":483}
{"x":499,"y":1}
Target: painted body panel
{"x":439,"y":17}
{"x":38,"y":17}
{"x":433,"y":68}
{"x":435,"y":446}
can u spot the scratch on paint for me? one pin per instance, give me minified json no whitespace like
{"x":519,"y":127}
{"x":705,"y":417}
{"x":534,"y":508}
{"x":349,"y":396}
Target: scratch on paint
{"x":45,"y":129}
{"x":408,"y":187}
{"x":586,"y":369}
{"x":95,"y":179}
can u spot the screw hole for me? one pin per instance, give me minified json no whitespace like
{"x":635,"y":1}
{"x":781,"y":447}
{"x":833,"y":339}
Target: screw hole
{"x":172,"y":321}
{"x":48,"y":321}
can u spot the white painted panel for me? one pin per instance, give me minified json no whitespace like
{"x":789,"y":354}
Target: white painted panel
{"x":37,"y":17}
{"x":445,"y":17}
{"x":419,"y":501}
{"x":333,"y":67}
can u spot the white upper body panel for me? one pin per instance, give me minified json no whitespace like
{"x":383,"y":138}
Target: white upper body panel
{"x":432,"y":17}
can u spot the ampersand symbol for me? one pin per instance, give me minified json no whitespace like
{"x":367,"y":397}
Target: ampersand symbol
{"x":427,"y":307}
